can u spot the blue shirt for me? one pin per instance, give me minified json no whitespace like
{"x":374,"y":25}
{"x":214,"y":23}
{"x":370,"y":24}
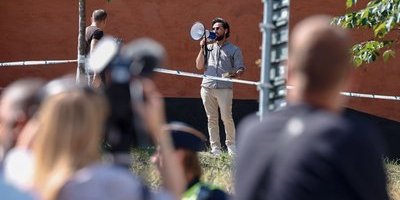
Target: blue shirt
{"x":222,"y":59}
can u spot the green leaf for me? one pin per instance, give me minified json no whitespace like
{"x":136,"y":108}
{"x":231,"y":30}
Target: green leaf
{"x":357,"y":61}
{"x":389,"y":23}
{"x":398,"y":17}
{"x":365,"y":13}
{"x":350,"y":3}
{"x":380,"y":16}
{"x":371,"y":3}
{"x":388,"y":54}
{"x":380,"y":30}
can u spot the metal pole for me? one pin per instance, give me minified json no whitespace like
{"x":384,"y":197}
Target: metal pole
{"x":265,"y":27}
{"x":80,"y":69}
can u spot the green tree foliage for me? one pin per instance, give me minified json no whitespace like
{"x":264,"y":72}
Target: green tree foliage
{"x":382,"y":17}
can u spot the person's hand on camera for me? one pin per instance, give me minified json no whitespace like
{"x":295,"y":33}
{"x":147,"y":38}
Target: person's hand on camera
{"x":152,"y":109}
{"x":152,"y":112}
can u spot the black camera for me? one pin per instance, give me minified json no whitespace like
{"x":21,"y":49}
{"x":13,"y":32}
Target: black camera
{"x":123,"y":66}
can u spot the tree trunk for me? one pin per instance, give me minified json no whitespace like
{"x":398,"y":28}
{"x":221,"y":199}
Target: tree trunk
{"x":80,"y":70}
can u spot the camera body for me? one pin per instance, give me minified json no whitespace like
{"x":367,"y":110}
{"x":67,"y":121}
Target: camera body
{"x":123,"y":67}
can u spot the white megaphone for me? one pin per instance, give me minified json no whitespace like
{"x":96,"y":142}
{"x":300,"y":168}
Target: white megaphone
{"x":198,"y":31}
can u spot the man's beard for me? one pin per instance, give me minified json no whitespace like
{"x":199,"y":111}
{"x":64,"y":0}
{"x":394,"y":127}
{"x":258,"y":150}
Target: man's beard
{"x":219,"y":38}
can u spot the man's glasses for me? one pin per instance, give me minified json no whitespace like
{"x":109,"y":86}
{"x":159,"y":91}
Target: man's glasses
{"x":216,"y":28}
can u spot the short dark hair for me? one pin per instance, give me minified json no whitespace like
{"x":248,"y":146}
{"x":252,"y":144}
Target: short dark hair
{"x":99,"y":15}
{"x":24,"y":95}
{"x":224,"y":24}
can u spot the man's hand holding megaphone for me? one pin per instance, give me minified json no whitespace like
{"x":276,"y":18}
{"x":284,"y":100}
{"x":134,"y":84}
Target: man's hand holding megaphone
{"x":202,"y":44}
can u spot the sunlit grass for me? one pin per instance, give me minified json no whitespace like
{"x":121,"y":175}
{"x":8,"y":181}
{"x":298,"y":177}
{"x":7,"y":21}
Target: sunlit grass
{"x":219,"y":171}
{"x":393,"y":173}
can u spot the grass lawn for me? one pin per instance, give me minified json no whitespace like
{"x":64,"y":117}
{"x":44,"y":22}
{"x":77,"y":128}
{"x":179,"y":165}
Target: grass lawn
{"x":218,"y":170}
{"x":393,"y":172}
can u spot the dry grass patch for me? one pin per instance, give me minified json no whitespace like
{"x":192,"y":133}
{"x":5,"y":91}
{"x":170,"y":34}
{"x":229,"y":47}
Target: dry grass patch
{"x":219,"y":171}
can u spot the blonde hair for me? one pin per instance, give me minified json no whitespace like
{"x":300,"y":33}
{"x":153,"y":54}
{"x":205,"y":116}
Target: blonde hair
{"x":69,"y":138}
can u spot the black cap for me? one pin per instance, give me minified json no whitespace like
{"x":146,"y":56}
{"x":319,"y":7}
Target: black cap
{"x":186,"y":137}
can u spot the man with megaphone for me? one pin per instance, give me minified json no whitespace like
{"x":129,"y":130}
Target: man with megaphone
{"x":223,"y":60}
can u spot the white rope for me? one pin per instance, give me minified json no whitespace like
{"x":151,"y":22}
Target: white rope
{"x":181,"y":73}
{"x":371,"y":96}
{"x":40,"y":62}
{"x":188,"y":74}
{"x":362,"y":95}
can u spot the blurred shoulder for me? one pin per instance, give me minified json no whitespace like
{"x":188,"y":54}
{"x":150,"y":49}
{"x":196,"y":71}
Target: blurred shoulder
{"x":9,"y":192}
{"x":102,"y":181}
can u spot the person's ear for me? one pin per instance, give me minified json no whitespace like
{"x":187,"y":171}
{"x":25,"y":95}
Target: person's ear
{"x":288,"y":70}
{"x":291,"y":79}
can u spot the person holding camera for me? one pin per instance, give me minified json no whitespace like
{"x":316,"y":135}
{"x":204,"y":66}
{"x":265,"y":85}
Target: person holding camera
{"x":18,"y":105}
{"x":223,"y":60}
{"x":67,"y":153}
{"x":70,"y":123}
{"x":136,"y":108}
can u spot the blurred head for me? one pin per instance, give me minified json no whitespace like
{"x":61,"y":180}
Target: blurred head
{"x":187,"y":141}
{"x":319,"y":57}
{"x":69,"y":136}
{"x":99,"y":16}
{"x":17,"y":105}
{"x":221,"y":28}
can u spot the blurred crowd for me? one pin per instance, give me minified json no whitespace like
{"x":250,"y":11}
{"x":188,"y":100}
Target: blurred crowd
{"x":66,"y":140}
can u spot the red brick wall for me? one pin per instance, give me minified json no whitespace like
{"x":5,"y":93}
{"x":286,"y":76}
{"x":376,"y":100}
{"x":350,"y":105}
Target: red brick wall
{"x":42,"y":29}
{"x":48,"y":30}
{"x":377,"y":78}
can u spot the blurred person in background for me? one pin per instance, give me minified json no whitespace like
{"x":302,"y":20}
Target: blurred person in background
{"x":94,"y":33}
{"x":68,"y":138}
{"x":8,"y":191}
{"x":18,"y":105}
{"x":309,"y":150}
{"x":187,"y":142}
{"x":67,"y":149}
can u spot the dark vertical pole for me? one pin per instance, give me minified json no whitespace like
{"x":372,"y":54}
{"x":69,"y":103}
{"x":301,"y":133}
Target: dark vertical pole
{"x":80,"y":71}
{"x":266,"y":27}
